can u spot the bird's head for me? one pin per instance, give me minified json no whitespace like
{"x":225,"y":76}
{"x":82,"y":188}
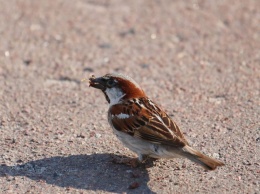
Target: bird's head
{"x":117,"y":87}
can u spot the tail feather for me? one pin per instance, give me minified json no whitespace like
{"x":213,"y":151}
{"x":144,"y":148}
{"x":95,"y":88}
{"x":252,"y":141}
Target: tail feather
{"x":197,"y":157}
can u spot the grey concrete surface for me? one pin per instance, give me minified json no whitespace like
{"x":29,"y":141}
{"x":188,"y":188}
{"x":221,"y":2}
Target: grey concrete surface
{"x":199,"y":59}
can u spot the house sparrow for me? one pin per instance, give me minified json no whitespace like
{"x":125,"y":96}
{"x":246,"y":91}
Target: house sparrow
{"x":141,"y":125}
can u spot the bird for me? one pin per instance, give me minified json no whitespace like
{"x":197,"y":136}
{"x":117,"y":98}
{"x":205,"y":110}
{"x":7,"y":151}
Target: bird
{"x":143,"y":126}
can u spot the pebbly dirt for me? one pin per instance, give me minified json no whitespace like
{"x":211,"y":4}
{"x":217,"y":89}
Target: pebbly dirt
{"x":198,"y":59}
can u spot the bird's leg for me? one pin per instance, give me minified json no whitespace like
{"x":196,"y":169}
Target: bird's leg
{"x":141,"y":158}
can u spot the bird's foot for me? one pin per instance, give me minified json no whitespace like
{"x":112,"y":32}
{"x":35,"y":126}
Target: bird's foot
{"x":147,"y":161}
{"x":133,"y":162}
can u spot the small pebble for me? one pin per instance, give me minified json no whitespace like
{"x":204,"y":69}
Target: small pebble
{"x":134,"y":185}
{"x":215,"y":155}
{"x":98,"y":135}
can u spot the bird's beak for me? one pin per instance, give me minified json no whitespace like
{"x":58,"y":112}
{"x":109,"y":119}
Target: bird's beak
{"x":98,"y":83}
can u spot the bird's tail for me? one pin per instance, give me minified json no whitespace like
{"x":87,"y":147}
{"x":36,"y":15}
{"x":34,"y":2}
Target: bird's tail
{"x":197,"y":157}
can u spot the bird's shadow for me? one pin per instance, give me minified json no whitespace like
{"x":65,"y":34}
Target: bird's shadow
{"x":90,"y":172}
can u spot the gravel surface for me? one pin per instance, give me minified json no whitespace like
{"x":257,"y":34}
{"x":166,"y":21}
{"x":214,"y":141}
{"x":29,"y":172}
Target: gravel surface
{"x":199,"y":59}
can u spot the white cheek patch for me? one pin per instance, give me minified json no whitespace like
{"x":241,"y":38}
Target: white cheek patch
{"x":114,"y":95}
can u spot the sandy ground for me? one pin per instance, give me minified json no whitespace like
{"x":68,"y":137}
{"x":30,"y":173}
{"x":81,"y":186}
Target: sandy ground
{"x":200,"y":60}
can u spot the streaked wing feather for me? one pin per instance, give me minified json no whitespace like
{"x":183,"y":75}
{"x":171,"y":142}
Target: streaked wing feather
{"x":151,"y":126}
{"x":166,"y":119}
{"x":174,"y":127}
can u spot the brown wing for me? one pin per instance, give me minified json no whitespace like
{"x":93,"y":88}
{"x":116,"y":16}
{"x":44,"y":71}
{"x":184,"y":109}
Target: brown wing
{"x":143,"y":119}
{"x":166,"y":119}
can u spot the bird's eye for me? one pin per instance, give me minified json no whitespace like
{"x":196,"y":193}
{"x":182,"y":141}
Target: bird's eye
{"x":111,"y":83}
